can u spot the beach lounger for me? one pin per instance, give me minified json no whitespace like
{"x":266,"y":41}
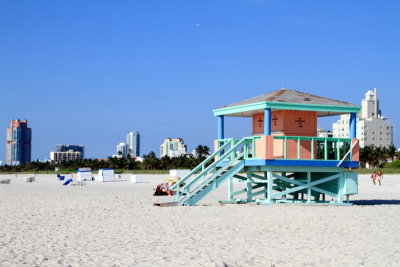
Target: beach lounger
{"x":30,"y":179}
{"x":68,"y":182}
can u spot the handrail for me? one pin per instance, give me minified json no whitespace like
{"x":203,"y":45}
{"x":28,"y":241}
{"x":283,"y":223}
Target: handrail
{"x":225,"y":140}
{"x":309,"y":138}
{"x":195,"y":190}
{"x":227,"y":153}
{"x":216,"y":163}
{"x":348,"y":152}
{"x":212,"y":156}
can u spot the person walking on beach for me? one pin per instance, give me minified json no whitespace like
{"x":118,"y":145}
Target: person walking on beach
{"x":380,"y":176}
{"x":373,"y":177}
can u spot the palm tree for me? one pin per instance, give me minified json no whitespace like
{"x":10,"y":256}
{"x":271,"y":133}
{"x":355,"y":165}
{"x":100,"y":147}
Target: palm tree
{"x":202,"y":151}
{"x":366,"y":155}
{"x":391,"y":151}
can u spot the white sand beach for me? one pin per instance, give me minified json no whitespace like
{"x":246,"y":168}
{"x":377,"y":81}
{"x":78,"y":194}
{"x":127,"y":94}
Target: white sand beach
{"x":115,"y":224}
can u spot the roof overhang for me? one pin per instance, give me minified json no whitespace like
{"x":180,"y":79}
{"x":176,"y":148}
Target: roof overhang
{"x":250,"y":109}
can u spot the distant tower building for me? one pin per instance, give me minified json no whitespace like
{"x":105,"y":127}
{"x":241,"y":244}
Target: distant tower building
{"x":133,"y":142}
{"x":122,"y":149}
{"x":323,"y":133}
{"x":74,"y":148}
{"x":65,"y":156}
{"x":173,"y":148}
{"x":372,"y":127}
{"x":19,"y":140}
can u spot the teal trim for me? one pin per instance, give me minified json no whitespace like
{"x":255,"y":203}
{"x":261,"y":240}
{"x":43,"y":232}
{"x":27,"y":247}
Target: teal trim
{"x":228,"y":160}
{"x":286,"y":106}
{"x":301,"y":187}
{"x":309,"y":188}
{"x":308,"y":138}
{"x":296,"y":169}
{"x":298,"y":183}
{"x":243,"y":108}
{"x":200,"y":192}
{"x":301,"y":163}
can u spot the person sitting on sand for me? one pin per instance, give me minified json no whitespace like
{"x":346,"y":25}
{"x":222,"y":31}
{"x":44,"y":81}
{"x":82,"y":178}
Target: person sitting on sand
{"x":163,"y":189}
{"x":380,"y":176}
{"x":373,"y":177}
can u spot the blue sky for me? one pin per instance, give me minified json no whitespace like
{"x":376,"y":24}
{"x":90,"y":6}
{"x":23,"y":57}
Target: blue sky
{"x":88,"y":72}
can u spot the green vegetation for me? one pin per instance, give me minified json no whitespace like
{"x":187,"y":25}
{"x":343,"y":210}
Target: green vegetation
{"x":151,"y":164}
{"x":377,"y":157}
{"x":383,"y":170}
{"x":394,"y":164}
{"x":374,"y":157}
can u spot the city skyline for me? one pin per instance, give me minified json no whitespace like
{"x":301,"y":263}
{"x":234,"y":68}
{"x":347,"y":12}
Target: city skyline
{"x":179,"y":60}
{"x":329,"y":128}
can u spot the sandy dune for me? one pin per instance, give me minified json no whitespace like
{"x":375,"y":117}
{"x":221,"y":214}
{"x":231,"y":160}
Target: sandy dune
{"x":115,"y":224}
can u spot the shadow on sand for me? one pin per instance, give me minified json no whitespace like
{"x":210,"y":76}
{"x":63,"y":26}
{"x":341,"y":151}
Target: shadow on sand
{"x":373,"y":202}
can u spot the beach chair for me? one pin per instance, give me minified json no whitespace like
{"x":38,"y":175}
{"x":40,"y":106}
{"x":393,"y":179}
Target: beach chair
{"x":30,"y":179}
{"x":5,"y":181}
{"x":67,"y":182}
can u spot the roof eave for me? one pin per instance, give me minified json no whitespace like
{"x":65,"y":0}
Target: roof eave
{"x":286,"y":106}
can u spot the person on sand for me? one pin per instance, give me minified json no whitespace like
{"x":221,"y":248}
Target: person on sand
{"x":163,"y":189}
{"x":380,"y":177}
{"x":373,"y":177}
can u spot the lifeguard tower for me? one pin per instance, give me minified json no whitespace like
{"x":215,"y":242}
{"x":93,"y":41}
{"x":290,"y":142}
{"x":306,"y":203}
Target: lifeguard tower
{"x":283,"y":161}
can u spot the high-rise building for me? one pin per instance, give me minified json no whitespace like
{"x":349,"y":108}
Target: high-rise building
{"x":122,"y":149}
{"x":173,"y":148}
{"x":372,"y":127}
{"x":324,"y":133}
{"x":74,"y":148}
{"x":133,"y":142}
{"x":65,"y":156}
{"x":19,"y":141}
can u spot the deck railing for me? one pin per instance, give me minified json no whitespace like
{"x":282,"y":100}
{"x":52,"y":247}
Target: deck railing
{"x":295,"y":148}
{"x":320,"y":148}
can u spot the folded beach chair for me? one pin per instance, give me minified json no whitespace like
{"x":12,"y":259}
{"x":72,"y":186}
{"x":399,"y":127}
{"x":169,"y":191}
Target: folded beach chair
{"x":5,"y":181}
{"x":67,"y":182}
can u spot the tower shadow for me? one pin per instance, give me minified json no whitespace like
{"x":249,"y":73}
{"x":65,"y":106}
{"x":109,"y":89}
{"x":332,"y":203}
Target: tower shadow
{"x":373,"y":202}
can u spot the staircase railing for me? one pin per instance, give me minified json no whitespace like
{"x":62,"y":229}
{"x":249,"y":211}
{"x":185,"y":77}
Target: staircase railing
{"x":211,"y":181}
{"x":224,"y":157}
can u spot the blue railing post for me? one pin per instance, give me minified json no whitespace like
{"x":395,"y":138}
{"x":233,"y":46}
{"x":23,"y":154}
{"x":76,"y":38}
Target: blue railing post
{"x":267,"y":121}
{"x":220,"y":127}
{"x":221,"y":134}
{"x":353,"y":125}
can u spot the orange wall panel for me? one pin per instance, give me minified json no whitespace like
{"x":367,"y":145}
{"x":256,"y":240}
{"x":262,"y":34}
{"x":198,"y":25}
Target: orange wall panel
{"x":258,"y":123}
{"x":291,"y":122}
{"x":301,"y":123}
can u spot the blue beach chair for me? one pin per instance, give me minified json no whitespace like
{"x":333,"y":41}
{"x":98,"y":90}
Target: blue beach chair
{"x":67,"y":182}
